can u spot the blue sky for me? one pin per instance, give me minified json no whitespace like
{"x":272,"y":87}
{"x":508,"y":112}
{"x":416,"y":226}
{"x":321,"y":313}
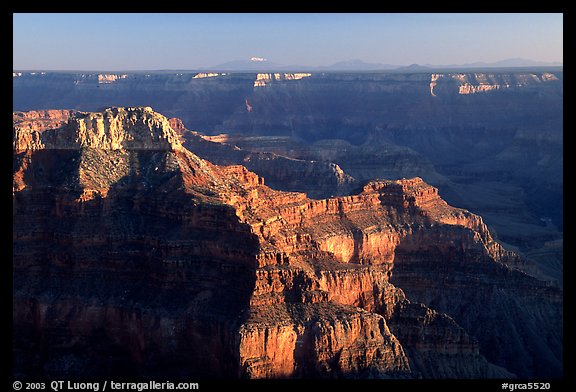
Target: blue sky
{"x":189,"y":41}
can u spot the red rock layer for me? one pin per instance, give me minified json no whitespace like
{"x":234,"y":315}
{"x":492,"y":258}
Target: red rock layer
{"x":128,"y":246}
{"x":40,"y":120}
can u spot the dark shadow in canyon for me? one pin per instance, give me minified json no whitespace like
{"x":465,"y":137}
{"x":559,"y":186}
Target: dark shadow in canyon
{"x":141,"y":283}
{"x":516,"y":318}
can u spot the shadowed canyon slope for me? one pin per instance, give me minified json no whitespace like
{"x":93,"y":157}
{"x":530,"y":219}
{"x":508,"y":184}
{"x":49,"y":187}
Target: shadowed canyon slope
{"x":490,"y":140}
{"x":133,"y":256}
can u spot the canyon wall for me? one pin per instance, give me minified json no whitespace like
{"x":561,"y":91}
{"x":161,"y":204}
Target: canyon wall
{"x":133,"y":256}
{"x":310,"y":105}
{"x":490,"y":139}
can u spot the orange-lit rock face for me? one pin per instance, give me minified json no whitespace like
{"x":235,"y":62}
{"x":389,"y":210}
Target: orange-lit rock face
{"x":205,"y":267}
{"x":40,"y":120}
{"x":29,"y":125}
{"x":317,"y":178}
{"x":113,"y":129}
{"x":110,"y":78}
{"x":473,"y":83}
{"x":204,"y":75}
{"x":177,"y":125}
{"x":318,"y":340}
{"x":267,"y":352}
{"x":264,"y":79}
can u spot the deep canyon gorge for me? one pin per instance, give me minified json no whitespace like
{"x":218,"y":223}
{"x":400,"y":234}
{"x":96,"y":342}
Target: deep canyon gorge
{"x":288,"y":225}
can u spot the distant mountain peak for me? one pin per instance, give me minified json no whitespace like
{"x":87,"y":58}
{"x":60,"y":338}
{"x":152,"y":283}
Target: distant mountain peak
{"x":506,"y":63}
{"x":414,"y":67}
{"x":256,"y":63}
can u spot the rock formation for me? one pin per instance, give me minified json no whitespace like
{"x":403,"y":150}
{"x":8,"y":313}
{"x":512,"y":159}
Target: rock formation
{"x":110,"y":78}
{"x":264,"y":79}
{"x":490,"y":139}
{"x":361,"y":163}
{"x":40,"y":120}
{"x":315,"y":106}
{"x":133,"y":256}
{"x":318,"y":179}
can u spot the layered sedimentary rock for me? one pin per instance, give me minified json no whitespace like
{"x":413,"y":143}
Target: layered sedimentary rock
{"x":472,"y":83}
{"x":507,"y":183}
{"x":134,"y":256}
{"x":110,"y":78}
{"x":317,"y":178}
{"x":362,"y":163}
{"x":264,"y":79}
{"x":40,"y":120}
{"x":314,"y":106}
{"x":491,"y":139}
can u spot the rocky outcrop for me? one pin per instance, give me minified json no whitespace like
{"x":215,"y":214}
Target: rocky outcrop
{"x":110,"y":78}
{"x":425,"y":333}
{"x":178,"y":127}
{"x":410,"y":123}
{"x":203,"y":75}
{"x":363,"y":163}
{"x":40,"y":120}
{"x":113,"y":129}
{"x":433,"y":82}
{"x":343,"y":105}
{"x":264,"y":79}
{"x":147,"y":272}
{"x":133,"y":256}
{"x":317,"y":179}
{"x":472,"y":83}
{"x":319,"y":340}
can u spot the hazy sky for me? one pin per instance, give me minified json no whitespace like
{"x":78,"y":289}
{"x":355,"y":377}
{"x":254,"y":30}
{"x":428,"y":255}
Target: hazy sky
{"x":188,"y":41}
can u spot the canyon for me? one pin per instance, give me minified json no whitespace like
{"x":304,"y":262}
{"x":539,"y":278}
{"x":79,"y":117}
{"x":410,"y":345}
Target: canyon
{"x":141,"y":247}
{"x":491,"y":140}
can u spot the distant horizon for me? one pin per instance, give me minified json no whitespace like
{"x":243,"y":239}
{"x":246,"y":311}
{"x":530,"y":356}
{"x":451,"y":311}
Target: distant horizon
{"x":144,"y":42}
{"x":323,"y":67}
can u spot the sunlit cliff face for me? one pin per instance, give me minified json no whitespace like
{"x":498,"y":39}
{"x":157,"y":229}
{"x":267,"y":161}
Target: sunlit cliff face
{"x":472,"y":83}
{"x":263,"y":79}
{"x":152,"y":253}
{"x":203,"y":75}
{"x":110,"y":78}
